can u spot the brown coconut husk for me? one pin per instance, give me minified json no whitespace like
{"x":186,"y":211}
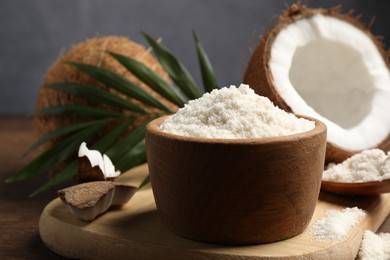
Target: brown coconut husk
{"x":93,"y":52}
{"x":259,"y":77}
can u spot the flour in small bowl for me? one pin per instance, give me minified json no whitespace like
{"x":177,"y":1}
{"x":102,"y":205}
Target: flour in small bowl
{"x":369,"y":165}
{"x":234,"y":112}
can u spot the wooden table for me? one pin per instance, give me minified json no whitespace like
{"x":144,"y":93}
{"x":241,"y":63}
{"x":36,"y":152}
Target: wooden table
{"x":19,"y":237}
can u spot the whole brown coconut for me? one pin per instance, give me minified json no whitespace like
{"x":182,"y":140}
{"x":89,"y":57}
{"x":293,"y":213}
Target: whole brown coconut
{"x":93,"y":52}
{"x":309,"y":81}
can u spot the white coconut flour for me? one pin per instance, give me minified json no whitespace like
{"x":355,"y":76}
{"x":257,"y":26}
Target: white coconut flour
{"x":375,"y":246}
{"x":337,"y":223}
{"x":369,"y":165}
{"x":234,"y":113}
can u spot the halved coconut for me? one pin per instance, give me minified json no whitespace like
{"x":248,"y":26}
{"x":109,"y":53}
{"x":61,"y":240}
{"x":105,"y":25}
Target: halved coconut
{"x":327,"y":65}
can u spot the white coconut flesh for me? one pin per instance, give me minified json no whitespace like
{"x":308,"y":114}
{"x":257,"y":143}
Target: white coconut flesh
{"x":97,"y":159}
{"x":328,"y":69}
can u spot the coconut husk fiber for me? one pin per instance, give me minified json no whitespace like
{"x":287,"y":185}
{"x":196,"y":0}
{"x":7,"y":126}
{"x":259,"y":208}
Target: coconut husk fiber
{"x":93,"y":52}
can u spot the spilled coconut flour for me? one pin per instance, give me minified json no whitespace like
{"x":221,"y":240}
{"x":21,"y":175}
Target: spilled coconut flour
{"x":375,"y":246}
{"x":234,"y":113}
{"x":337,"y":223}
{"x":369,"y":165}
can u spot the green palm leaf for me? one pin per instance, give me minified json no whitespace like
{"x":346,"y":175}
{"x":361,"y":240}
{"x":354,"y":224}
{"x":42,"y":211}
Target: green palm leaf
{"x":106,"y":141}
{"x":130,"y":150}
{"x":118,"y":150}
{"x":133,"y":157}
{"x":97,"y":95}
{"x":207,"y":71}
{"x":120,"y":84}
{"x":144,"y":182}
{"x":58,"y":153}
{"x":78,"y":111}
{"x":64,"y":175}
{"x":62,"y":132}
{"x":178,"y":73}
{"x":150,"y":78}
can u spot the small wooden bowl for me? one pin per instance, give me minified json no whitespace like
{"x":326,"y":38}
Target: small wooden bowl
{"x":236,"y":191}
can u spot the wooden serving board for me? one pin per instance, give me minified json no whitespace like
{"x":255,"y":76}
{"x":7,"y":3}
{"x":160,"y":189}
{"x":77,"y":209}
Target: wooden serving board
{"x":136,"y":232}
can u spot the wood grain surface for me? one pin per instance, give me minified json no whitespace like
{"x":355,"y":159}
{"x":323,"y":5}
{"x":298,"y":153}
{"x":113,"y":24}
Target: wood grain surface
{"x":19,"y":218}
{"x":136,"y":232}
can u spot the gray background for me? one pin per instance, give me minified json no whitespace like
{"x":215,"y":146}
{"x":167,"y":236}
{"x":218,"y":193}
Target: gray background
{"x":34,"y":32}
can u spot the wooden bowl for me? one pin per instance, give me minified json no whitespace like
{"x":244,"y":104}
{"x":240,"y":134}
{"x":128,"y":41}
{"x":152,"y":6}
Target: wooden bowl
{"x":236,"y":191}
{"x":370,"y":188}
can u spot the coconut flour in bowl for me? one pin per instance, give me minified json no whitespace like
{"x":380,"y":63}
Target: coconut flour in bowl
{"x":234,"y":112}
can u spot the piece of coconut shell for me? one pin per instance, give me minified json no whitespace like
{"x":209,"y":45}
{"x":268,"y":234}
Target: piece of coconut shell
{"x":258,"y":74}
{"x":123,"y":193}
{"x":87,"y":201}
{"x":94,"y":52}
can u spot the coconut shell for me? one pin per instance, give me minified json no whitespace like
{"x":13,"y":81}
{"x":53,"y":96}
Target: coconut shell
{"x":258,"y":74}
{"x":93,"y":52}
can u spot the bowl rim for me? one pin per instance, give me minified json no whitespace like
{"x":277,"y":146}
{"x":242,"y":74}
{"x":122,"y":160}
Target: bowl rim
{"x":320,"y":127}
